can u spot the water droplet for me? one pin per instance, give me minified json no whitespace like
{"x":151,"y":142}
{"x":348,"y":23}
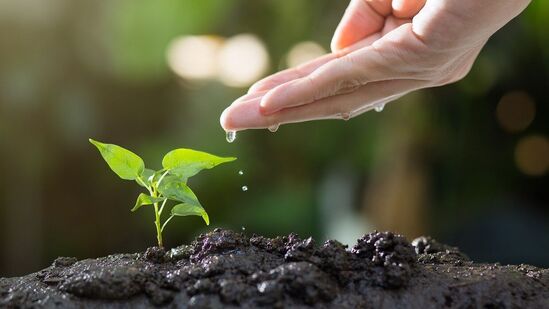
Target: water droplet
{"x":231,"y":136}
{"x":273,"y":128}
{"x":243,"y":228}
{"x":379,"y":107}
{"x":244,"y":188}
{"x":345,"y":116}
{"x":241,"y":172}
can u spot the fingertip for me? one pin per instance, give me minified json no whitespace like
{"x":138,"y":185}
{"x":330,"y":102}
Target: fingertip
{"x":255,"y":88}
{"x":407,"y":8}
{"x":243,"y":115}
{"x":224,"y":120}
{"x":335,"y":45}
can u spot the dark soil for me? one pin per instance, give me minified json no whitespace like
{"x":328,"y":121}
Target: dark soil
{"x":228,"y":269}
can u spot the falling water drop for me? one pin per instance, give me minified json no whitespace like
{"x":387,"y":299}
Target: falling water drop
{"x":243,"y":228}
{"x":273,"y":128}
{"x":241,"y":172}
{"x":231,"y":136}
{"x":379,"y":108}
{"x":244,"y":188}
{"x":345,"y":116}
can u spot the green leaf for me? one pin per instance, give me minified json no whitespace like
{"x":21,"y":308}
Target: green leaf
{"x":173,"y":188}
{"x":126,"y":164}
{"x":187,"y":162}
{"x":185,"y":209}
{"x":144,"y":199}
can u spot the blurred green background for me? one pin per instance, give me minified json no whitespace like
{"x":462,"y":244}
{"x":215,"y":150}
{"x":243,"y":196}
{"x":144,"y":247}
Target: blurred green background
{"x":466,"y":163}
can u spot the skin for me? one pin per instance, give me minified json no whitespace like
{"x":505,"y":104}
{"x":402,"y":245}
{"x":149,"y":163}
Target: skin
{"x":381,"y":50}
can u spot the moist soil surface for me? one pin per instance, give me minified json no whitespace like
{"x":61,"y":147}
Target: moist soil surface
{"x":224,"y":269}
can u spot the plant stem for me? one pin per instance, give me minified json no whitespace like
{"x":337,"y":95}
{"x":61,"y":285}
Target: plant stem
{"x":157,"y":219}
{"x":141,"y":182}
{"x":157,"y":224}
{"x":162,"y":178}
{"x":166,"y":222}
{"x":162,"y":207}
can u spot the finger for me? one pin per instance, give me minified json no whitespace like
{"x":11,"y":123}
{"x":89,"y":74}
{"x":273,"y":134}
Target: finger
{"x":407,"y":8}
{"x":361,"y":19}
{"x":342,"y":75}
{"x":290,"y":74}
{"x":250,"y":96}
{"x":347,"y":105}
{"x":243,"y":115}
{"x":307,"y":68}
{"x":247,"y":114}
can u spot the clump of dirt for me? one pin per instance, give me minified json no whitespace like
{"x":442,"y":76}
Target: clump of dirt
{"x":226,"y":269}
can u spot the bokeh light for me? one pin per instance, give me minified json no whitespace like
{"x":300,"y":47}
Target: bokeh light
{"x":194,"y":57}
{"x":303,"y":52}
{"x":532,"y":155}
{"x":242,"y":60}
{"x":515,"y":111}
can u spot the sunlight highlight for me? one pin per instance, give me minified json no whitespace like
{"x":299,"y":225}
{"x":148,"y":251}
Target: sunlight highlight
{"x":242,"y":60}
{"x":194,"y":57}
{"x":303,"y":52}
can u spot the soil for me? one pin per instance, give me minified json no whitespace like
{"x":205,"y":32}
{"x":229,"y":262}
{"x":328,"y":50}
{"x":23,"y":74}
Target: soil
{"x":224,"y":269}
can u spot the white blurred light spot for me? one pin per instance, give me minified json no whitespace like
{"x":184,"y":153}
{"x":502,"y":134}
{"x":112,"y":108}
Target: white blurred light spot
{"x":194,"y":57}
{"x":243,"y":59}
{"x":304,"y":52}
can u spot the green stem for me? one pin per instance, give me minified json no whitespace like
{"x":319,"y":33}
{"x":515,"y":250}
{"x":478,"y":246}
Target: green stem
{"x":162,"y":178}
{"x":157,"y":224}
{"x":139,"y":180}
{"x":162,"y":207}
{"x":157,"y":219}
{"x":153,"y":192}
{"x":166,"y":222}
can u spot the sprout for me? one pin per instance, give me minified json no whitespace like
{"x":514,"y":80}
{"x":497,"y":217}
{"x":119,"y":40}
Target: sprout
{"x":169,"y":183}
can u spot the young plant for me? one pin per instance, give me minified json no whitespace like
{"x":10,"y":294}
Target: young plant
{"x":166,"y":184}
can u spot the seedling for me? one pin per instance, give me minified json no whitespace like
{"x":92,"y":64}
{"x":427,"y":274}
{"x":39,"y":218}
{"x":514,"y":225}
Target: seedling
{"x":166,"y":184}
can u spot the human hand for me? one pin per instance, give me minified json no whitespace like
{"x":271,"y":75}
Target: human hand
{"x":381,"y":50}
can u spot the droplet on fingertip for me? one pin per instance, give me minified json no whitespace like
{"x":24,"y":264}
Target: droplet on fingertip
{"x":231,"y":136}
{"x":273,"y":128}
{"x":379,"y":107}
{"x":345,"y":116}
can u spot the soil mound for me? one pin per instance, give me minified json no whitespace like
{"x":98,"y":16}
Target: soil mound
{"x":224,"y":269}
